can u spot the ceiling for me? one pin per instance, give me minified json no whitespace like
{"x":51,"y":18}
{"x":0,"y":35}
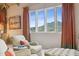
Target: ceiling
{"x":30,"y":5}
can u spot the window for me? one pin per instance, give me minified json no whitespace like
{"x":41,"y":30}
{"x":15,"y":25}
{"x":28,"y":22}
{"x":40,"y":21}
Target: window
{"x":50,"y":20}
{"x":32,"y":17}
{"x":46,"y":20}
{"x":41,"y":18}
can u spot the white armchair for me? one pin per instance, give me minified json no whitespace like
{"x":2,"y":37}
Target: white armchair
{"x":33,"y":46}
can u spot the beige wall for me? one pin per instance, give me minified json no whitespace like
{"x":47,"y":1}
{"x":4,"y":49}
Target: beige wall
{"x":77,"y":23}
{"x":14,"y":11}
{"x":47,"y":40}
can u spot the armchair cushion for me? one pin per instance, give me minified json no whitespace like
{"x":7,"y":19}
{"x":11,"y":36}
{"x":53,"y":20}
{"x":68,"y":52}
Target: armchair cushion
{"x":35,"y":49}
{"x":34,"y":43}
{"x":3,"y":47}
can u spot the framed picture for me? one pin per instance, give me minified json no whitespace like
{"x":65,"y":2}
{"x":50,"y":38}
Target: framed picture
{"x":15,"y":22}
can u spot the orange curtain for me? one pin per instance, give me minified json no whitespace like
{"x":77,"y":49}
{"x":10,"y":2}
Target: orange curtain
{"x":2,"y":17}
{"x":68,"y":26}
{"x":3,"y":20}
{"x":26,"y":29}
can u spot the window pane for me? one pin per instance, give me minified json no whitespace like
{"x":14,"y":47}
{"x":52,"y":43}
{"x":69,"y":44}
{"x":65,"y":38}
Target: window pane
{"x":59,"y":19}
{"x":50,"y":20}
{"x":41,"y":18}
{"x":32,"y":21}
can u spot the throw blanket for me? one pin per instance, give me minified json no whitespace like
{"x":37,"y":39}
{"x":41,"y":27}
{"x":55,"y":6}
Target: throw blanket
{"x":61,"y":52}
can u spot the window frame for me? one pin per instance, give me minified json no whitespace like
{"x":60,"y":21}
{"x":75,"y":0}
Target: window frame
{"x":45,"y":20}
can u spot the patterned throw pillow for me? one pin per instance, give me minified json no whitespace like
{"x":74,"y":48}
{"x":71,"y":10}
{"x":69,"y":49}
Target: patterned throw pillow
{"x":9,"y":52}
{"x":24,"y":42}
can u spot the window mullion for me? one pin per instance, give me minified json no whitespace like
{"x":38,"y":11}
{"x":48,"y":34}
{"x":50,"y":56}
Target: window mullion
{"x":55,"y":17}
{"x":36,"y":22}
{"x":45,"y":20}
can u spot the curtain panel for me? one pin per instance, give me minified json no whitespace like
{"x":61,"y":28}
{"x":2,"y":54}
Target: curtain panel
{"x":26,"y":29}
{"x":3,"y":19}
{"x":68,"y":26}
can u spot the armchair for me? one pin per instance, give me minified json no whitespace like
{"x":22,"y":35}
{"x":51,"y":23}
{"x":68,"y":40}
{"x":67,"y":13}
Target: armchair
{"x":34,"y":47}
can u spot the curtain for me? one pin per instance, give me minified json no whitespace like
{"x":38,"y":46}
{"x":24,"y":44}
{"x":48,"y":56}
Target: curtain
{"x":68,"y":26}
{"x":3,"y":19}
{"x":26,"y":29}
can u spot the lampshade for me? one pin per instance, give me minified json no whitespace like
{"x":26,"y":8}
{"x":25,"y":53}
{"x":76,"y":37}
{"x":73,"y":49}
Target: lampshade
{"x":1,"y":28}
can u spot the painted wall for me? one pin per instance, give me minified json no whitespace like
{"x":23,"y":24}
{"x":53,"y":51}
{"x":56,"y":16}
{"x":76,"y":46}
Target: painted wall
{"x":47,"y":40}
{"x":77,"y":23}
{"x":14,"y":11}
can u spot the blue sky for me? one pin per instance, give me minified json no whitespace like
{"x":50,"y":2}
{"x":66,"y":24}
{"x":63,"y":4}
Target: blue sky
{"x":41,"y":16}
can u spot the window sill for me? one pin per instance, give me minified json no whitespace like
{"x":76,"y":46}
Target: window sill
{"x":45,"y":32}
